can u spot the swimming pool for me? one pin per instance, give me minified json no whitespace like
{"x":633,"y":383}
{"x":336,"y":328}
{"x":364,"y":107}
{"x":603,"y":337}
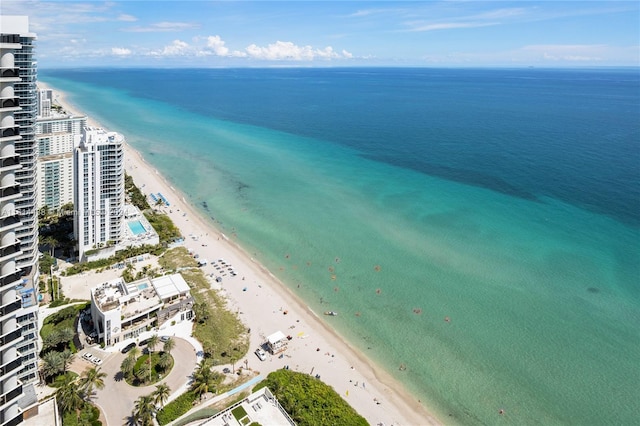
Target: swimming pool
{"x":136,"y":227}
{"x":142,"y":286}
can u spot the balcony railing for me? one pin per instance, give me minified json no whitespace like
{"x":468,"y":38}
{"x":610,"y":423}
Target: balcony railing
{"x":9,"y":102}
{"x":7,"y":368}
{"x":9,"y":191}
{"x":10,"y":337}
{"x":9,"y":249}
{"x":9,"y":161}
{"x":9,"y":72}
{"x":11,"y":280}
{"x":11,"y":307}
{"x":9,"y":221}
{"x":10,"y":131}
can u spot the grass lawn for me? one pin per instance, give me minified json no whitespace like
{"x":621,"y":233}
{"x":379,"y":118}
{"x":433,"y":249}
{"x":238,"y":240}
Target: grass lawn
{"x":157,"y":373}
{"x":221,"y":332}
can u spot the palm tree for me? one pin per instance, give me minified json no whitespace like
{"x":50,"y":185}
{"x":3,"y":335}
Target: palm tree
{"x":69,"y":396}
{"x":133,"y":353}
{"x":52,"y":364}
{"x":161,"y":394}
{"x":127,"y":366}
{"x":144,"y":410}
{"x":65,"y":336}
{"x":144,"y":371}
{"x":203,"y":379}
{"x":152,"y":343}
{"x":67,"y":357}
{"x":90,"y":378}
{"x":164,"y":361}
{"x":169,"y":345}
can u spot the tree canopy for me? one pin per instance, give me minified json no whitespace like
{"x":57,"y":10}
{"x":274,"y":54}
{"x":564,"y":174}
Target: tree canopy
{"x":309,"y":401}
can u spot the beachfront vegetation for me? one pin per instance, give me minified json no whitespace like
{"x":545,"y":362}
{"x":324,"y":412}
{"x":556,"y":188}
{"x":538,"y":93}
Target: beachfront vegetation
{"x":120,"y":256}
{"x":163,"y":225}
{"x":310,"y":401}
{"x":176,"y":408}
{"x":223,"y":335}
{"x":136,"y":197}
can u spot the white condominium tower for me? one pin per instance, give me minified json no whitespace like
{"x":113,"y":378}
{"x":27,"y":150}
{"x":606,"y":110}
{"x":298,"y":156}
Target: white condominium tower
{"x":56,"y":134}
{"x":99,"y":190}
{"x":26,"y":147}
{"x":18,"y":227}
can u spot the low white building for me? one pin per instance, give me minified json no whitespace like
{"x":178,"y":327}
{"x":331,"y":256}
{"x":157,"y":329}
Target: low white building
{"x":277,"y":342}
{"x":261,"y":407}
{"x":122,"y":311}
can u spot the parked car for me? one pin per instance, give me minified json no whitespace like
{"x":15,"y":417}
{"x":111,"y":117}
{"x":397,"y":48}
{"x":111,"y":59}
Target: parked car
{"x":128,"y":348}
{"x":87,"y":356}
{"x":96,"y":360}
{"x":164,"y":338}
{"x":226,"y":370}
{"x":143,"y":342}
{"x":261,"y":354}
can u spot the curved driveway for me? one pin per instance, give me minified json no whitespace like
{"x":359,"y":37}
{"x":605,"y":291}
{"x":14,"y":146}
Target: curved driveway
{"x":117,"y":399}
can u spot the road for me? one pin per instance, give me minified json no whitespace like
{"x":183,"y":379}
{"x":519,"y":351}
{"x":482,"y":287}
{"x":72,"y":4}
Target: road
{"x":117,"y":399}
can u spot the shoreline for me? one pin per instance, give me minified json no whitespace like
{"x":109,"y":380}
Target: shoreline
{"x":345,"y":368}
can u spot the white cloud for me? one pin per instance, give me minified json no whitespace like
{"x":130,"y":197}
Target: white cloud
{"x":176,"y":48}
{"x":120,"y":51}
{"x":127,"y":18}
{"x":216,"y":44}
{"x":163,"y":27}
{"x":286,"y":50}
{"x":485,"y":19}
{"x":451,"y":25}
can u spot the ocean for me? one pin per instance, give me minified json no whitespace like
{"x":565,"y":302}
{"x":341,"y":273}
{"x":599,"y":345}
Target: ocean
{"x":479,"y":228}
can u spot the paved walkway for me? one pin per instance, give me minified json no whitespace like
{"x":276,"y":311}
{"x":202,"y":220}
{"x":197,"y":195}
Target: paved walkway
{"x":217,"y":398}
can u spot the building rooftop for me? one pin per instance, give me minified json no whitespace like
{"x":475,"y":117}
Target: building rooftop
{"x":260,"y":407}
{"x":138,"y":296}
{"x":170,"y":286}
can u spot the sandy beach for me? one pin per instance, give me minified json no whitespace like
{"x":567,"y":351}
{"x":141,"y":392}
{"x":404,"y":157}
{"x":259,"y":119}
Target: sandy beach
{"x":266,"y":306}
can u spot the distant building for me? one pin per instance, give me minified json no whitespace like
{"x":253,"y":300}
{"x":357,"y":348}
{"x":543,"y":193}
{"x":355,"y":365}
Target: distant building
{"x":122,"y":311}
{"x":98,"y":190}
{"x":45,"y":102}
{"x":18,"y":220}
{"x":57,"y":134}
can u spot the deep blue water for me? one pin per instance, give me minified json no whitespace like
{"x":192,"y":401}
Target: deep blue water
{"x":506,"y":200}
{"x":573,"y":135}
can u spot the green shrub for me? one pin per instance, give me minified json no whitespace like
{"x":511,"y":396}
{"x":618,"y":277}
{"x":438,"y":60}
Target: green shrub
{"x":176,"y":408}
{"x":310,"y":401}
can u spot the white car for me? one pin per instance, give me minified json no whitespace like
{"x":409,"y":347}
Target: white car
{"x":261,"y":354}
{"x":96,"y":360}
{"x":87,"y":356}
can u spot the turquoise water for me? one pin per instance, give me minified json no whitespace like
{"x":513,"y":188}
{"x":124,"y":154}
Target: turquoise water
{"x":142,"y":286}
{"x":136,"y":227}
{"x":541,"y":291}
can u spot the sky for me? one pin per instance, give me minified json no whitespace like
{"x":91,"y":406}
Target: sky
{"x":327,"y":33}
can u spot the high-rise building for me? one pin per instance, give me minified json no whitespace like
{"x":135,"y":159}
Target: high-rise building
{"x":26,"y":147}
{"x":45,"y":102}
{"x":99,"y":190}
{"x":18,"y":227}
{"x":57,"y":133}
